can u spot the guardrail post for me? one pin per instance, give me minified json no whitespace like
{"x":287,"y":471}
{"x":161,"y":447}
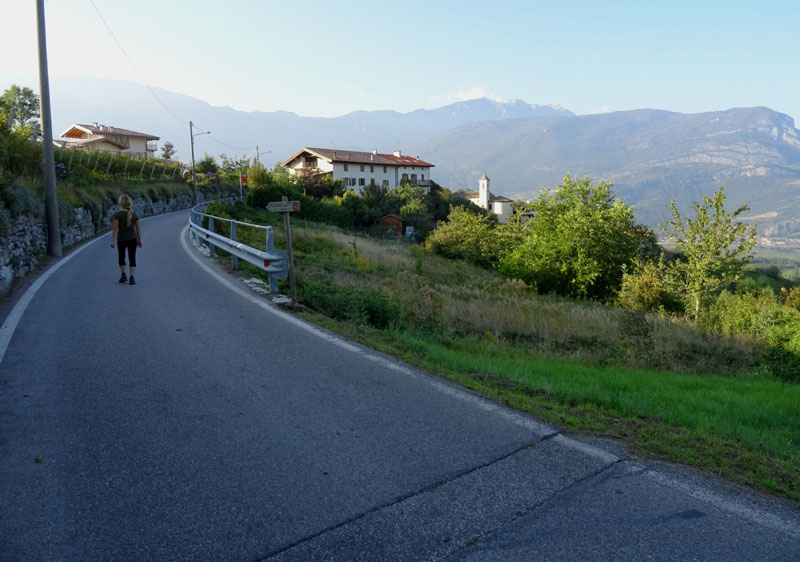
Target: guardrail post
{"x":211,"y":228}
{"x":273,"y":281}
{"x":234,"y":259}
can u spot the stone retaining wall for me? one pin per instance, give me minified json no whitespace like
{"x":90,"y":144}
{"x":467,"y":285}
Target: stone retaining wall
{"x":25,"y":245}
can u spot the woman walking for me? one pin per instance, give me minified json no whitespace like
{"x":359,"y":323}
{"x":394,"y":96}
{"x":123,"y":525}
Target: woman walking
{"x":126,"y":235}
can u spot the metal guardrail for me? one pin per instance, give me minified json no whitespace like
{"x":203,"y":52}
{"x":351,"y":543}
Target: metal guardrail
{"x":272,"y":261}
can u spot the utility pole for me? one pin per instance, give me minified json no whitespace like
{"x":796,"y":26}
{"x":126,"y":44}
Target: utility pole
{"x":265,"y":152}
{"x":48,"y":160}
{"x":194,"y":179}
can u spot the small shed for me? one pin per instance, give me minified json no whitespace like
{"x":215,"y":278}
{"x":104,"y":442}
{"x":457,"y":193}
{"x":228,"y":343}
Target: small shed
{"x":392,"y":223}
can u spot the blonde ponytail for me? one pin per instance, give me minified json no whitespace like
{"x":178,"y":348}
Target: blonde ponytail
{"x":126,"y":204}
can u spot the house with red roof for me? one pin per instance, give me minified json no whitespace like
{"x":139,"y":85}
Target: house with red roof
{"x":110,"y":139}
{"x":359,"y":169}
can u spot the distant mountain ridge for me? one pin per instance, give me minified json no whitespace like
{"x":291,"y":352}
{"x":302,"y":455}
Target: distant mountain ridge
{"x":650,"y":155}
{"x":132,"y":106}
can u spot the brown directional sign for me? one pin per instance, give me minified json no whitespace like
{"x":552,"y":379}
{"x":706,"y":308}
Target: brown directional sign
{"x":283,"y":206}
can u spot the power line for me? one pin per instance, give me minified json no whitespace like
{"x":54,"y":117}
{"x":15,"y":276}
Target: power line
{"x":229,"y":146}
{"x":121,"y":48}
{"x":143,"y":81}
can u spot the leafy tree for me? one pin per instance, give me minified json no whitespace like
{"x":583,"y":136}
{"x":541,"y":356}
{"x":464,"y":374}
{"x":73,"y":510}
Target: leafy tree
{"x":232,"y":164}
{"x":258,"y":177}
{"x":407,"y":194}
{"x":168,"y":151}
{"x":320,"y":186}
{"x":206,"y":165}
{"x":465,"y":235}
{"x":578,"y":242}
{"x":353,"y":204}
{"x":712,"y":249}
{"x":374,"y":196}
{"x":24,"y":104}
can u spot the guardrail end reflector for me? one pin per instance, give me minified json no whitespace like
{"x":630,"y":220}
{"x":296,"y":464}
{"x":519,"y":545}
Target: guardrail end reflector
{"x":208,"y":236}
{"x":266,"y":263}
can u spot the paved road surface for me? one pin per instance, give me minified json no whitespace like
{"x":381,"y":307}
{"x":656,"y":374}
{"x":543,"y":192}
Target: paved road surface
{"x":184,"y":419}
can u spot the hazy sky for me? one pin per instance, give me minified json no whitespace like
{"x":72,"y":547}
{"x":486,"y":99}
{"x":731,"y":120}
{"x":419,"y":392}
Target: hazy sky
{"x":326,"y":58}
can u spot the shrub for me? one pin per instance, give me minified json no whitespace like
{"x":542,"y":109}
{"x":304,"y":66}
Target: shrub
{"x":761,"y":317}
{"x":370,"y":306}
{"x":644,"y":287}
{"x":462,"y":237}
{"x":21,"y":201}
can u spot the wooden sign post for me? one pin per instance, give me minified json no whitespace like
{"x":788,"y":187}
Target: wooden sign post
{"x":286,"y":207}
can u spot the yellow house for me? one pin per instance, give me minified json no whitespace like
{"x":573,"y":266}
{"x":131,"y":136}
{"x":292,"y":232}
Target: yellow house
{"x":110,"y":139}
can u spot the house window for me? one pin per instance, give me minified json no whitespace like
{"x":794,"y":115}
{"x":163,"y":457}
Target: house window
{"x":385,"y":183}
{"x":405,"y":177}
{"x":414,"y":178}
{"x":361,"y":181}
{"x":345,"y":167}
{"x":423,"y":177}
{"x":384,"y":169}
{"x":362,"y":167}
{"x":310,"y":162}
{"x":490,"y":206}
{"x":372,"y":168}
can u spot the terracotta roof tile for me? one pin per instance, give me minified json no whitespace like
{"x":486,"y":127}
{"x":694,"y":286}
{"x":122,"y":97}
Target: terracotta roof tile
{"x":355,"y":157}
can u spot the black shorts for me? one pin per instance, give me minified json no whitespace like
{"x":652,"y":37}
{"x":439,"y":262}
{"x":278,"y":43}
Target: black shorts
{"x":131,"y":247}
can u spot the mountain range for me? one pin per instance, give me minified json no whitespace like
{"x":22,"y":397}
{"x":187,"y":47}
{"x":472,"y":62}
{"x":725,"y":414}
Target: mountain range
{"x":649,"y":155}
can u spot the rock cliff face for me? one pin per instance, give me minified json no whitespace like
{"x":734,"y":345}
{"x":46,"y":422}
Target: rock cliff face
{"x":25,"y":246}
{"x":649,"y":156}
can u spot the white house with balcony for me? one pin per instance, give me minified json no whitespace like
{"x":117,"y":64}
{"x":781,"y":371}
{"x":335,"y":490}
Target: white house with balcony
{"x":110,"y":139}
{"x":359,"y":169}
{"x":501,"y":206}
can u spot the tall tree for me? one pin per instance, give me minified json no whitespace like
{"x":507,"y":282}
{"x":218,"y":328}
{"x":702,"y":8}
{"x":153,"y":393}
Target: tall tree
{"x":712,"y":249}
{"x":207,"y":165}
{"x":578,"y":241}
{"x":232,"y":164}
{"x":24,"y":104}
{"x":168,"y":151}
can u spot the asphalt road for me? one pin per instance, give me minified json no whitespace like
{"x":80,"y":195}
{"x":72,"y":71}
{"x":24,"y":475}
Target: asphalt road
{"x":184,"y":418}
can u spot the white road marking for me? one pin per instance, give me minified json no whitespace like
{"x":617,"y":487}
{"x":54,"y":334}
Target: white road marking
{"x":791,"y":528}
{"x":10,"y":324}
{"x":588,"y":450}
{"x":541,"y":430}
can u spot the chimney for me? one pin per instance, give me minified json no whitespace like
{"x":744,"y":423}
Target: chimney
{"x":374,"y":151}
{"x":397,"y":152}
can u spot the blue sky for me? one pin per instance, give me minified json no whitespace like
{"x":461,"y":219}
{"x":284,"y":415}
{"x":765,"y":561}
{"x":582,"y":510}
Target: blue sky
{"x":323,"y":58}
